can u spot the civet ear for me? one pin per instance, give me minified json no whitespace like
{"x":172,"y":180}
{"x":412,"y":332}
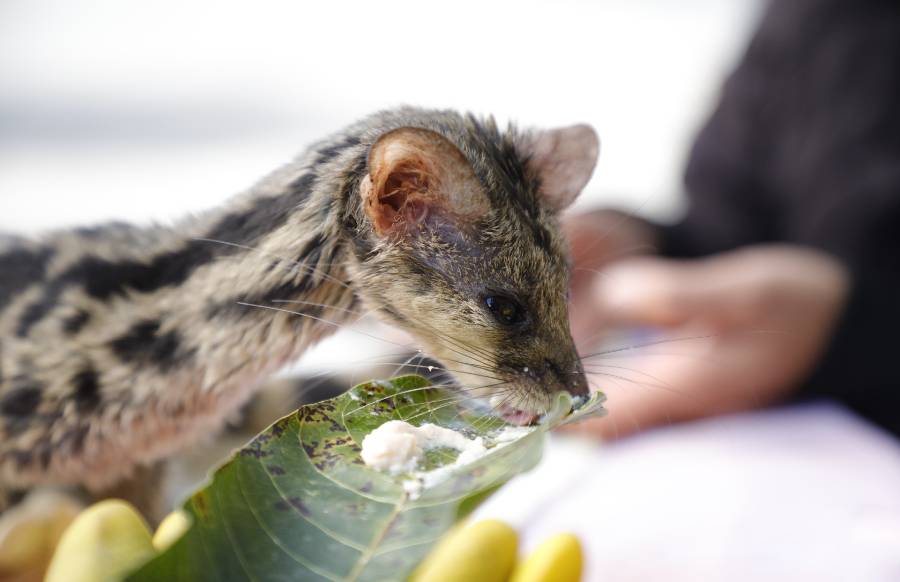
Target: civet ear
{"x":414,"y":175}
{"x":564,"y":159}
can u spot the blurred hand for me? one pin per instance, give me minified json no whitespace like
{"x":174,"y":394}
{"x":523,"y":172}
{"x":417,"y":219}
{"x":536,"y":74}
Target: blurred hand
{"x":760,"y":316}
{"x":597,"y":239}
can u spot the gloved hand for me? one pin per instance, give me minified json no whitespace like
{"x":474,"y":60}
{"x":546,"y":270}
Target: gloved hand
{"x":29,"y":533}
{"x":108,"y":540}
{"x":486,"y":551}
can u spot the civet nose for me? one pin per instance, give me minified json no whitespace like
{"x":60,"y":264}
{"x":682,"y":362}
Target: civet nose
{"x":578,"y":383}
{"x":571,"y":377}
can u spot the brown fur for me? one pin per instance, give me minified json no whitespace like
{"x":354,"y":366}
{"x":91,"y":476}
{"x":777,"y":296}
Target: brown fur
{"x":120,"y":345}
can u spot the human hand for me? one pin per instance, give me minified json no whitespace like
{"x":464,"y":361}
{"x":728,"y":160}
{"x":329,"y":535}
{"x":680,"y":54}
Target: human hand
{"x":597,"y":239}
{"x":486,"y":551}
{"x":746,"y":327}
{"x":108,"y":540}
{"x":29,"y":532}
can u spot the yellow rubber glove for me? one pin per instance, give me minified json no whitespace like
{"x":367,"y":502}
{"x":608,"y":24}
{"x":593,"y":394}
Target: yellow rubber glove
{"x":105,"y":542}
{"x":29,"y":533}
{"x":557,"y":559}
{"x":482,"y":552}
{"x":170,"y":529}
{"x":110,"y":539}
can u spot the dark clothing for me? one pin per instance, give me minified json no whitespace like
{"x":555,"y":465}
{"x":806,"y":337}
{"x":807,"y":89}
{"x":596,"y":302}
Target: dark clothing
{"x":804,"y":147}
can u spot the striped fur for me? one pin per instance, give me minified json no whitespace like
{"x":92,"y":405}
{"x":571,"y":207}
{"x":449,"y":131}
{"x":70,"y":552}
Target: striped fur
{"x":120,"y":345}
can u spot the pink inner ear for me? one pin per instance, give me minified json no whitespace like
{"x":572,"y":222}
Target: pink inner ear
{"x":398,"y":186}
{"x":417,"y":175}
{"x":402,"y":203}
{"x":415,"y":211}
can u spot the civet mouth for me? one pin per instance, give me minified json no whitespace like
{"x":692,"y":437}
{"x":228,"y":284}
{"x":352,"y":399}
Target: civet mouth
{"x":516,"y":416}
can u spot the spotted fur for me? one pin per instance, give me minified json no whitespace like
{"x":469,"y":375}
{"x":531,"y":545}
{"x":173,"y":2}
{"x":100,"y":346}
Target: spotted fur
{"x":120,"y":344}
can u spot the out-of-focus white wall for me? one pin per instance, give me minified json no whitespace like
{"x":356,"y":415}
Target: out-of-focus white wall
{"x":144,"y":111}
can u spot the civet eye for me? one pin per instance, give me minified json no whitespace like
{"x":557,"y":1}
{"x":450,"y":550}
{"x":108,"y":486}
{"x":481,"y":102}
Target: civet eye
{"x":505,"y":310}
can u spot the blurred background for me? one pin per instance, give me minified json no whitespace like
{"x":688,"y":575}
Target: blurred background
{"x":147,"y":111}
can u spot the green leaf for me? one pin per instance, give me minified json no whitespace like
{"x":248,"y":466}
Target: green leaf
{"x":298,"y":503}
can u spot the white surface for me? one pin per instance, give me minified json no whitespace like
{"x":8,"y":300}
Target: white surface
{"x":803,"y":494}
